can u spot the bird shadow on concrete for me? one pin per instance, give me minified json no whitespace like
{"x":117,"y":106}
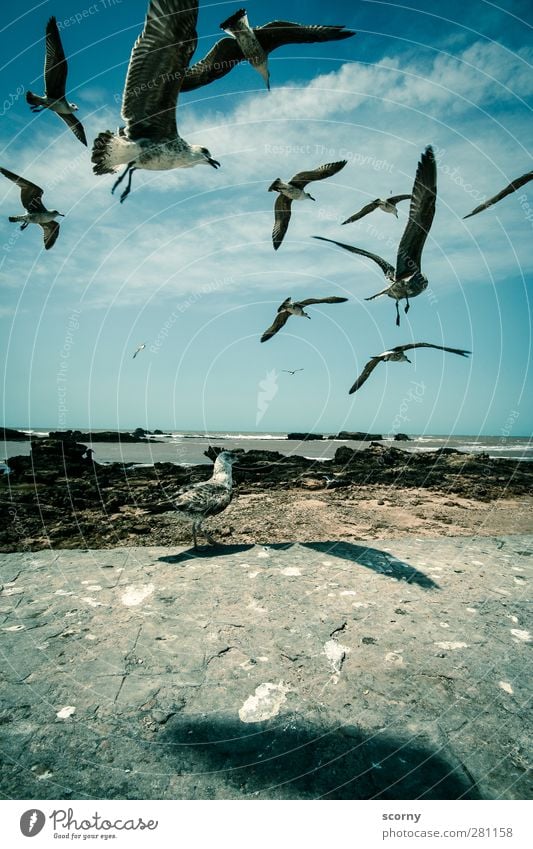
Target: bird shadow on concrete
{"x":375,"y":559}
{"x":299,"y":759}
{"x":204,"y":552}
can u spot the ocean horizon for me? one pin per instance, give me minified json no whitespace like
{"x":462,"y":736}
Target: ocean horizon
{"x":187,"y":447}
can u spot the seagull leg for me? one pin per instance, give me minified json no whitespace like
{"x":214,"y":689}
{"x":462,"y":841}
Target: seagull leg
{"x":194,"y":534}
{"x":407,"y":305}
{"x":397,"y":315}
{"x":130,"y":168}
{"x":24,"y":225}
{"x":211,"y":540}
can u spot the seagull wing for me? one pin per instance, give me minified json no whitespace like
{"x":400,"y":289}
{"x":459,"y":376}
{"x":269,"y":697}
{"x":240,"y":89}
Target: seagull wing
{"x":301,"y":179}
{"x":421,"y":214}
{"x":512,"y":187}
{"x":365,"y":374}
{"x":282,"y":216}
{"x":370,"y":207}
{"x":460,"y":351}
{"x":277,"y":324}
{"x":158,"y":63}
{"x":30,"y":194}
{"x":220,"y":60}
{"x":333,"y":300}
{"x":50,"y":232}
{"x":397,"y":198}
{"x":204,"y":499}
{"x":385,"y":266}
{"x":277,"y":33}
{"x":75,"y":125}
{"x":55,"y":64}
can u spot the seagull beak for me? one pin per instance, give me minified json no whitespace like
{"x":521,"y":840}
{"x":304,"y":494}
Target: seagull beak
{"x":312,"y":198}
{"x":408,"y":360}
{"x":213,"y":162}
{"x":61,"y":214}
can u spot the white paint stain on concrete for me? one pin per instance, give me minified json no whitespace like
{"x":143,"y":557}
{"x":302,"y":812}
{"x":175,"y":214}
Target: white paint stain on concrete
{"x":94,"y":588}
{"x":348,"y":592}
{"x":265,"y":703}
{"x":291,"y":571}
{"x":14,"y":628}
{"x":452,"y":646}
{"x":504,"y":685}
{"x":263,"y":554}
{"x":335,"y":653}
{"x":394,"y":658}
{"x":92,"y":602}
{"x":134,"y":595}
{"x":65,"y":712}
{"x":521,"y":636}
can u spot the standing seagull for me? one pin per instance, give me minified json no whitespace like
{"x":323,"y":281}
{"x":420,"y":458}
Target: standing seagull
{"x":294,"y":190}
{"x":37,"y":213}
{"x":55,"y":80}
{"x":388,"y":205}
{"x":158,"y":62}
{"x":407,"y":281}
{"x":397,"y":355}
{"x":200,"y":500}
{"x":139,"y":349}
{"x":512,"y":187}
{"x":288,"y":308}
{"x":254,"y":45}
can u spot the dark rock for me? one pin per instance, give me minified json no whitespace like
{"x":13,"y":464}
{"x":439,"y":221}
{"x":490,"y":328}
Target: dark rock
{"x":9,"y":434}
{"x":402,"y":437}
{"x":304,"y":437}
{"x":357,"y":436}
{"x":102,"y":436}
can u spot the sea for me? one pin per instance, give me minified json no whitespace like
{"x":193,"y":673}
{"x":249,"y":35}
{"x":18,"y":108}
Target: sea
{"x":187,"y":448}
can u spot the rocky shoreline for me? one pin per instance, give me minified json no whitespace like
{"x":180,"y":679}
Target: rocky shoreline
{"x":59,"y":497}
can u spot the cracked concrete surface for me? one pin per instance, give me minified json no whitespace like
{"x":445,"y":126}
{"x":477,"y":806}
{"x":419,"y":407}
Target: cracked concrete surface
{"x":392,"y":670}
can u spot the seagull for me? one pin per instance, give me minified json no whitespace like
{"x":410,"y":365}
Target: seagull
{"x":407,"y":280}
{"x":397,"y":355}
{"x":208,"y":498}
{"x":55,"y":79}
{"x":512,"y":187}
{"x":254,"y":45}
{"x":294,"y":190}
{"x":158,"y":62}
{"x":290,"y":307}
{"x":288,"y":371}
{"x":388,"y":205}
{"x":139,"y":349}
{"x":37,"y":213}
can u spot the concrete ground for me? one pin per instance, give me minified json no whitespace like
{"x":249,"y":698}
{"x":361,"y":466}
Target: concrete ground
{"x":394,"y":670}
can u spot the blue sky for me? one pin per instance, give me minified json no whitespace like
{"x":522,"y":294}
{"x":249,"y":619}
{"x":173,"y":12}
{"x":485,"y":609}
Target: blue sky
{"x":186,"y":265}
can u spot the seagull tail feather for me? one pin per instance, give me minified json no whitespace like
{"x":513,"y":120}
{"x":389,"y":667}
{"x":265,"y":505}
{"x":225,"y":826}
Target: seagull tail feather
{"x":110,"y":151}
{"x":34,"y":99}
{"x":14,"y":218}
{"x":383,"y":292}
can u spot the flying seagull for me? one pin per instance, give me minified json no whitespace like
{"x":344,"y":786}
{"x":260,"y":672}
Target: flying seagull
{"x":388,"y":205}
{"x":406,"y":280}
{"x":512,"y":187}
{"x":55,"y":80}
{"x":139,"y":349}
{"x":158,"y":62}
{"x":397,"y":355}
{"x":197,"y":501}
{"x":37,"y":213}
{"x":288,"y":371}
{"x":294,"y":190}
{"x":254,"y":45}
{"x":290,"y":307}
